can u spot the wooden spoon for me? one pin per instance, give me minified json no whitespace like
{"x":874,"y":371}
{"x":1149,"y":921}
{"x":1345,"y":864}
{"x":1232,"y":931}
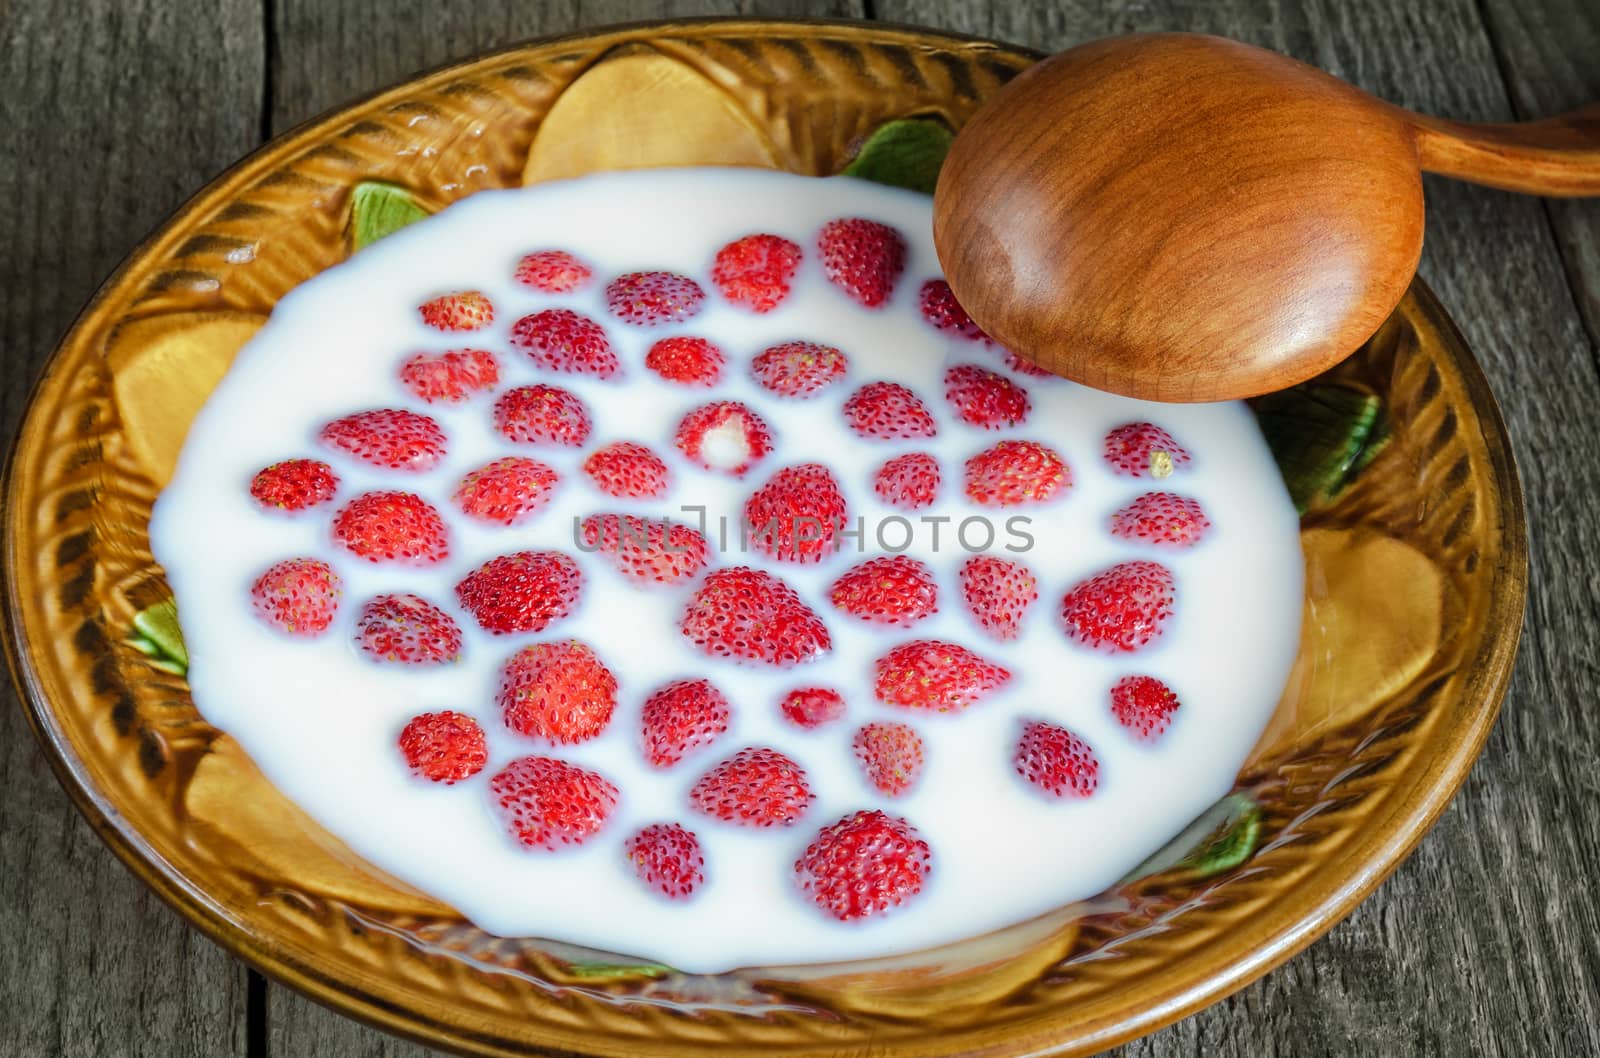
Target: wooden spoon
{"x":1187,"y":218}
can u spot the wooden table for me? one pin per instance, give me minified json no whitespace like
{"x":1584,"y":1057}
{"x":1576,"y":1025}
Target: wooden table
{"x":1486,"y":942}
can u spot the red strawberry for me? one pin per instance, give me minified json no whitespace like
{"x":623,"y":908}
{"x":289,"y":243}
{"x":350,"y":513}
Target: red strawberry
{"x":940,"y":308}
{"x":450,"y":377}
{"x":668,"y":859}
{"x":998,"y":592}
{"x":931,"y":674}
{"x":1161,"y":518}
{"x":725,"y":436}
{"x":888,"y":590}
{"x":691,"y":361}
{"x":797,"y":515}
{"x":741,"y":612}
{"x":798,"y":369}
{"x":392,"y":527}
{"x":681,"y":717}
{"x":756,"y":787}
{"x":294,"y":485}
{"x":648,"y":550}
{"x":444,"y":747}
{"x":862,"y":258}
{"x":889,"y":411}
{"x":521,"y":592}
{"x":560,"y":692}
{"x":810,"y":707}
{"x":547,"y":803}
{"x":1143,"y":705}
{"x":891,"y":756}
{"x":863,"y":865}
{"x":646,"y":299}
{"x":755,"y":271}
{"x":1142,"y":449}
{"x":407,"y":629}
{"x":542,"y":414}
{"x":1016,"y":472}
{"x":1025,"y":367}
{"x":298,"y":596}
{"x":984,"y":398}
{"x":1122,"y":608}
{"x":553,"y":271}
{"x":468,"y":310}
{"x":1056,"y":761}
{"x":562,"y":340}
{"x":626,"y":469}
{"x":506,"y":491}
{"x":909,"y":482}
{"x":388,"y":437}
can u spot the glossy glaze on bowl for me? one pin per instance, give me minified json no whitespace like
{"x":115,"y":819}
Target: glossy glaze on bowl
{"x":1416,"y":573}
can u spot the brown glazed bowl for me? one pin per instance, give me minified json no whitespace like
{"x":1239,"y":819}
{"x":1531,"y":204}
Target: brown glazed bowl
{"x":1416,"y":573}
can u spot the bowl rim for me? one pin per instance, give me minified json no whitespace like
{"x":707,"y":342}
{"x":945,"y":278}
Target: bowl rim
{"x":1401,"y":827}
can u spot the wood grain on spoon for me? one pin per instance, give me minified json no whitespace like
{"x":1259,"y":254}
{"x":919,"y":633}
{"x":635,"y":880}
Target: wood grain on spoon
{"x":1187,"y":218}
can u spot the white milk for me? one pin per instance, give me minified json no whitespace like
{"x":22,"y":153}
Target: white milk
{"x":321,"y":719}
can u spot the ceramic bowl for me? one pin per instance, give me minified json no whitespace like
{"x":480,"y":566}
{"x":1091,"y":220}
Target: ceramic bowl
{"x":1413,"y":534}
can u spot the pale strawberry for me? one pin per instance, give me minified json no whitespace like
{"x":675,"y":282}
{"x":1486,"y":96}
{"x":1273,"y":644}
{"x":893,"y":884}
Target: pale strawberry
{"x":798,"y":369}
{"x":563,"y":340}
{"x":506,"y":491}
{"x":392,"y":527}
{"x":388,"y":437}
{"x":646,"y":550}
{"x":724,"y":436}
{"x":1055,"y":760}
{"x":811,"y":707}
{"x":553,"y":271}
{"x":739,"y":612}
{"x":863,"y":258}
{"x":559,"y":692}
{"x":444,"y":747}
{"x":690,"y":361}
{"x":940,"y":308}
{"x":547,"y":803}
{"x":648,"y":299}
{"x":450,"y":377}
{"x":1025,"y":367}
{"x":932,"y":674}
{"x":627,"y":469}
{"x":889,"y":589}
{"x":755,"y":271}
{"x":1142,"y":449}
{"x":1121,"y":608}
{"x":1016,"y":472}
{"x":298,"y":595}
{"x":888,"y":411}
{"x":797,"y":515}
{"x":667,"y":858}
{"x":1162,"y":518}
{"x":998,"y":592}
{"x":863,"y":865}
{"x":542,"y":414}
{"x":681,"y":717}
{"x":1143,"y":705}
{"x":756,"y":787}
{"x":408,"y":630}
{"x":985,"y":398}
{"x":891,"y":756}
{"x":909,"y":482}
{"x":468,"y":310}
{"x":294,"y":485}
{"x":521,"y":592}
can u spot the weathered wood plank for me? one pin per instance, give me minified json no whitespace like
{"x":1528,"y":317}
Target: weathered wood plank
{"x":1485,"y":941}
{"x":109,"y":120}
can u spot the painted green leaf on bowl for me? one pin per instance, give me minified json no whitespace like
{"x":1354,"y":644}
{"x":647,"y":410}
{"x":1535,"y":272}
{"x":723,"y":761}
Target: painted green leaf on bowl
{"x":1222,"y":837}
{"x":1322,"y":436}
{"x":604,"y":971}
{"x":157,"y":636}
{"x":906,"y":153}
{"x":378,"y":209}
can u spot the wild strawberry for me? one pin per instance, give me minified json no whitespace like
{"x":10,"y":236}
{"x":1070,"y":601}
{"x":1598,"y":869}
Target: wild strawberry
{"x":388,"y":437}
{"x":647,"y":550}
{"x":998,"y":592}
{"x":563,"y":340}
{"x":863,"y":865}
{"x":1143,"y":705}
{"x":740,"y":612}
{"x":797,"y":515}
{"x":1025,"y":367}
{"x":1056,"y":761}
{"x":889,"y":411}
{"x":680,"y":718}
{"x":407,"y":629}
{"x":667,"y":858}
{"x":392,"y":527}
{"x":1016,"y":472}
{"x":542,"y":414}
{"x":547,"y":803}
{"x":506,"y":491}
{"x":890,"y":755}
{"x":985,"y":398}
{"x":646,"y":299}
{"x":521,"y":592}
{"x":450,"y":377}
{"x":553,"y":271}
{"x":444,"y":747}
{"x":725,"y":436}
{"x":756,"y":787}
{"x":1161,"y":518}
{"x":931,"y":674}
{"x":294,"y":485}
{"x":560,"y":692}
{"x":1121,"y":608}
{"x":888,"y":590}
{"x":798,"y":369}
{"x":909,"y":482}
{"x":468,"y":310}
{"x":1142,"y":449}
{"x":940,"y":308}
{"x":755,"y":271}
{"x":862,"y":258}
{"x":810,"y":707}
{"x":298,"y":596}
{"x":626,"y":469}
{"x":691,"y":361}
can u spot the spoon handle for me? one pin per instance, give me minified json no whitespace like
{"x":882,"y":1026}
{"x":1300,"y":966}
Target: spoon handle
{"x":1557,"y":156}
